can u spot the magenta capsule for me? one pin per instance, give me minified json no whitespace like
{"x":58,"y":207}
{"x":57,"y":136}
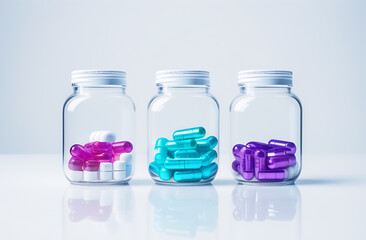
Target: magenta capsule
{"x":278,"y":175}
{"x":281,"y":162}
{"x":279,"y":143}
{"x":237,"y":148}
{"x":91,"y":166}
{"x":76,"y":164}
{"x":257,"y":145}
{"x":122,"y":147}
{"x":101,"y":147}
{"x":106,"y":156}
{"x":80,"y":152}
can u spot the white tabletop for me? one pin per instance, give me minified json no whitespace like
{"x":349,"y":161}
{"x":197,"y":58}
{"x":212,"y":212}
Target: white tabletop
{"x":327,"y":202}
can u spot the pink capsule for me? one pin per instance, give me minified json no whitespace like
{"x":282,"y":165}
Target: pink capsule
{"x":91,"y":166}
{"x":281,"y":162}
{"x":79,"y":152}
{"x":102,"y":147}
{"x":278,"y":175}
{"x":76,"y":164}
{"x":122,"y":147}
{"x":257,"y":145}
{"x":279,"y":143}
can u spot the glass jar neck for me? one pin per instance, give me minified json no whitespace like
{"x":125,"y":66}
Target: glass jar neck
{"x":183,"y":89}
{"x":282,"y":89}
{"x":99,"y":89}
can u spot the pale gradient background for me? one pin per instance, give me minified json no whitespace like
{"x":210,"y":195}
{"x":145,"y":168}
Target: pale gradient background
{"x":323,"y":42}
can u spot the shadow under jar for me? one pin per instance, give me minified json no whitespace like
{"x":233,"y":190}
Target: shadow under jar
{"x":266,"y":129}
{"x":183,"y":129}
{"x":98,"y":129}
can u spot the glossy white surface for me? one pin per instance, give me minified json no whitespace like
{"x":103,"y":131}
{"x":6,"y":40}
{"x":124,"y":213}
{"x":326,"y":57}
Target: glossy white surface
{"x":327,"y":202}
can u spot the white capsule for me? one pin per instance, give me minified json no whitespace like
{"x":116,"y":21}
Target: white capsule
{"x":119,"y":166}
{"x":106,"y":176}
{"x":76,"y":175}
{"x":97,"y":135}
{"x":119,"y":175}
{"x":105,"y":167}
{"x":106,"y":136}
{"x":92,"y":136}
{"x":90,"y":176}
{"x":128,"y":170}
{"x":126,"y":157}
{"x":292,"y":171}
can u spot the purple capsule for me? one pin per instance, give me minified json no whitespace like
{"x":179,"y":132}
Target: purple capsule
{"x":279,"y":143}
{"x":281,"y":162}
{"x":76,"y":164}
{"x":257,"y":145}
{"x":246,"y":168}
{"x":278,"y":175}
{"x":122,"y":147}
{"x":279,"y":152}
{"x":235,"y":165}
{"x":237,"y":148}
{"x":260,"y":161}
{"x":80,"y":152}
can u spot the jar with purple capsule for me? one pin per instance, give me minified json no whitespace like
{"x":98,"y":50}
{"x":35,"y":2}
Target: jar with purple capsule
{"x":266,"y":129}
{"x":98,"y":129}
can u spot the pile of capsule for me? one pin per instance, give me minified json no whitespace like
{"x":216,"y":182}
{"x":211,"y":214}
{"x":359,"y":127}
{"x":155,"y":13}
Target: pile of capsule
{"x":186,"y":158}
{"x":101,"y":159}
{"x":274,"y":161}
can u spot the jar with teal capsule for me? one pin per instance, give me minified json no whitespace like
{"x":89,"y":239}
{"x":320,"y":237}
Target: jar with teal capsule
{"x":183,"y":129}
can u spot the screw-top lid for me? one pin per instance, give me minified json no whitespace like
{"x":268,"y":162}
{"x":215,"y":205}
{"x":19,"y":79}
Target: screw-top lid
{"x":98,"y":77}
{"x":264,"y":77}
{"x":182,"y":78}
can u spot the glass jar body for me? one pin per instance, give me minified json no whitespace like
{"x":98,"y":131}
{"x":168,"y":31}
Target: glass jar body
{"x":259,"y":115}
{"x":99,"y":122}
{"x":179,"y":108}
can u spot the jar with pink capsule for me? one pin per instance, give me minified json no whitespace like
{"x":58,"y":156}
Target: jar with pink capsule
{"x":98,"y":129}
{"x":266,"y":129}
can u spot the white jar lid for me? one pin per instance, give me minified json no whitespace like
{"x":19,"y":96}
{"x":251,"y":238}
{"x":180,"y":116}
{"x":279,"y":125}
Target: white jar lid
{"x":182,"y":78}
{"x":98,"y":77}
{"x":264,"y":77}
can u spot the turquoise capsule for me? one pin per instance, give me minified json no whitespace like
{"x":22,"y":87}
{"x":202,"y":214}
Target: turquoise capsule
{"x":208,"y":157}
{"x":161,"y":142}
{"x":209,"y":142}
{"x":161,"y":153}
{"x":165,"y":174}
{"x":154,"y":167}
{"x":188,"y":176}
{"x":189,"y":133}
{"x":186,"y":154}
{"x":180,"y":145}
{"x":182,"y":164}
{"x":208,"y":171}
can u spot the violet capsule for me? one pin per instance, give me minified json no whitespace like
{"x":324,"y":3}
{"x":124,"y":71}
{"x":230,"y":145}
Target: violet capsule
{"x":258,"y":145}
{"x":279,"y":143}
{"x":235,"y":164}
{"x":246,"y":168}
{"x":279,"y":152}
{"x":237,"y":148}
{"x":259,"y":161}
{"x":80,"y":152}
{"x":281,"y":162}
{"x":273,"y":175}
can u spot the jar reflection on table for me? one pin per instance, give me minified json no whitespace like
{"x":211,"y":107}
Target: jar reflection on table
{"x":98,"y":212}
{"x":266,"y":212}
{"x":183,"y":212}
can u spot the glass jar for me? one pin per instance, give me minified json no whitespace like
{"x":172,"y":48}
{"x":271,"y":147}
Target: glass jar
{"x":183,"y":129}
{"x":98,"y":129}
{"x":266,"y":129}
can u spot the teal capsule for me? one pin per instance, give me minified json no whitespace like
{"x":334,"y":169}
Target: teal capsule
{"x":189,"y":133}
{"x":180,"y":145}
{"x":208,"y":171}
{"x":182,"y":164}
{"x":186,"y":154}
{"x":207,"y":143}
{"x":165,"y":174}
{"x":208,"y":157}
{"x":188,"y":176}
{"x":161,"y":153}
{"x":154,"y":167}
{"x":161,"y":142}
